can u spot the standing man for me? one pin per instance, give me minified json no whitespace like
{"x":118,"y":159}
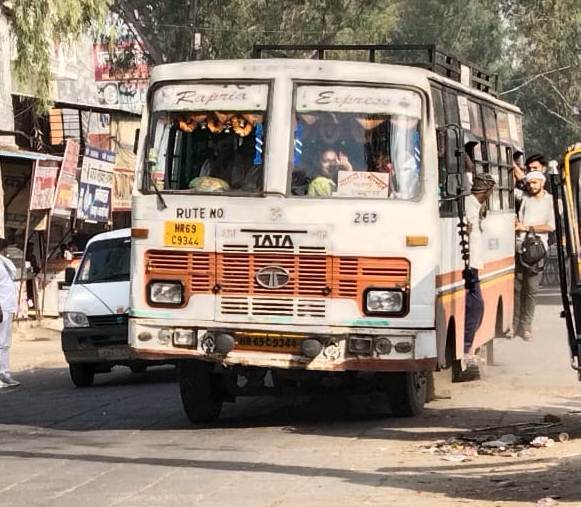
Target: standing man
{"x":482,"y":187}
{"x":8,"y":307}
{"x":535,"y":215}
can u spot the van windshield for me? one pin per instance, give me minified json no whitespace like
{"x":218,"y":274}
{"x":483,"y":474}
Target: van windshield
{"x":106,"y":261}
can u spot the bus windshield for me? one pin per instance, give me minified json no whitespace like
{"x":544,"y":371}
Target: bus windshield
{"x":361,"y":142}
{"x":208,"y":138}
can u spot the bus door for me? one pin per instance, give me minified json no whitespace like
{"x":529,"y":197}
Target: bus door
{"x":567,"y":206}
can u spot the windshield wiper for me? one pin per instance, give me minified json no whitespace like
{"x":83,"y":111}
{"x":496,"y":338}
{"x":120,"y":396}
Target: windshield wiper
{"x":157,"y":192}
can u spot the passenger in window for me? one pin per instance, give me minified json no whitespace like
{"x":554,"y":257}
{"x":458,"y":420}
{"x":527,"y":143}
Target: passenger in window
{"x":381,"y":163}
{"x":325,"y":181}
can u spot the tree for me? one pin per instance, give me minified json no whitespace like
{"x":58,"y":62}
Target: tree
{"x":231,"y":27}
{"x":36,"y":25}
{"x":545,"y":49}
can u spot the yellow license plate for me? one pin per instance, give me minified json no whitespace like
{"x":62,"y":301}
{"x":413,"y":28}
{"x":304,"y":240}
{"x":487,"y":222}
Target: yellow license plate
{"x":269,"y":343}
{"x":184,"y":234}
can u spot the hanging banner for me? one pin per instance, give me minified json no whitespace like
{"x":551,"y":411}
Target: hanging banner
{"x":67,"y":188}
{"x":95,"y":186}
{"x":44,"y":184}
{"x":122,"y":186}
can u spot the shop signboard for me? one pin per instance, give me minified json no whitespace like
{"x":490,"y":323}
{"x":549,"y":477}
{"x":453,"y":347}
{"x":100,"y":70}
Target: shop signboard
{"x":43,"y":185}
{"x":95,"y":186}
{"x":67,"y":189}
{"x":122,"y":186}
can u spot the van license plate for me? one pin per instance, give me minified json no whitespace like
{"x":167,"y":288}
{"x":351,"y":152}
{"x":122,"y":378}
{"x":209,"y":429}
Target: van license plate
{"x":183,"y":234}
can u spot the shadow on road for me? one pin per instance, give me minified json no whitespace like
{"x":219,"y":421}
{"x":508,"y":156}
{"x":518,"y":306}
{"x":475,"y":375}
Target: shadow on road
{"x":510,"y":480}
{"x":151,"y":401}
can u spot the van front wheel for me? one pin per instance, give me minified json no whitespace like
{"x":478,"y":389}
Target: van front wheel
{"x":199,"y":389}
{"x":407,"y":393}
{"x":82,"y":375}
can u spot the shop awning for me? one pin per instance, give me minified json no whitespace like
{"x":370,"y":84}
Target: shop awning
{"x":29,"y":155}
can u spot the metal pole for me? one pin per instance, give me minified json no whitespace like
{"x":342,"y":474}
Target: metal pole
{"x":46,"y":258}
{"x":25,"y":250}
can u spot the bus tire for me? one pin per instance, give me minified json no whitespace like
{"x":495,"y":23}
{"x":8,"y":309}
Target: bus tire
{"x":407,"y":393}
{"x":199,"y":391}
{"x":82,"y":374}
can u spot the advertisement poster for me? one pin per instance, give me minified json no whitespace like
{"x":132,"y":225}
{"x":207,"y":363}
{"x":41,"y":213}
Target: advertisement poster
{"x":96,"y":184}
{"x":67,"y":188}
{"x":44,"y":184}
{"x":120,"y":86}
{"x":122,"y":186}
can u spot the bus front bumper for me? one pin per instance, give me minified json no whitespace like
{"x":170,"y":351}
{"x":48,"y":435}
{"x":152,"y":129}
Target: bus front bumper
{"x":295,"y":347}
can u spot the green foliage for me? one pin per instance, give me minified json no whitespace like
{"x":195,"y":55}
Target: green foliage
{"x":546,"y":80}
{"x":230,"y":28}
{"x":37,"y":24}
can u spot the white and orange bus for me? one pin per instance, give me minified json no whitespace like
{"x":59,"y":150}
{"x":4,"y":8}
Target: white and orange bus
{"x":297,"y":219}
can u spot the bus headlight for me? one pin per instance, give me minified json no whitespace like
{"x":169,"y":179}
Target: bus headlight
{"x":166,"y":293}
{"x":75,"y":319}
{"x":384,"y":302}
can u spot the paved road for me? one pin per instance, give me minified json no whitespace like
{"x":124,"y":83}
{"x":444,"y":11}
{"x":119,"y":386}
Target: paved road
{"x":126,"y":441}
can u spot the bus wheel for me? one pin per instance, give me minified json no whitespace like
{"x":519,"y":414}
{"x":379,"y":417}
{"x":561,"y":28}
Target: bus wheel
{"x":201,"y":399}
{"x":407,"y":393}
{"x":82,"y":374}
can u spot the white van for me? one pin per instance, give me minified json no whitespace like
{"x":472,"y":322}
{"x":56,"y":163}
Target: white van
{"x":94,"y":337}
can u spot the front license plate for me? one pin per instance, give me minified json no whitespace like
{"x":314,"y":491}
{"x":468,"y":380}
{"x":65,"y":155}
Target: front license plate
{"x":282,"y":344}
{"x":184,"y":234}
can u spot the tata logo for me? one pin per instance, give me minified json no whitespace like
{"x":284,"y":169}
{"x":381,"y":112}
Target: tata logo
{"x":272,"y":277}
{"x":273,"y":241}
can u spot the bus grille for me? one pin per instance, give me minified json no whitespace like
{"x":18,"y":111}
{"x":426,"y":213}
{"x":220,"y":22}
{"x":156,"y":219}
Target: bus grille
{"x":313,"y":279}
{"x":275,"y":307}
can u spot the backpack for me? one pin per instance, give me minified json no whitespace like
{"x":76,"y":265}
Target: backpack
{"x":532,"y":252}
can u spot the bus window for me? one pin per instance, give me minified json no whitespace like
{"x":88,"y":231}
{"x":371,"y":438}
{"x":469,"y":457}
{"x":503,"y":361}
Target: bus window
{"x":208,"y":138}
{"x":490,"y":123}
{"x":439,"y":119}
{"x":451,"y":107}
{"x":475,"y":119}
{"x":356,"y":142}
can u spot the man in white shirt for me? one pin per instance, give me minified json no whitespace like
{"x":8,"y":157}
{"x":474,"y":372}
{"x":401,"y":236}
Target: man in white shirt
{"x":8,"y":307}
{"x":535,"y":215}
{"x":482,"y":187}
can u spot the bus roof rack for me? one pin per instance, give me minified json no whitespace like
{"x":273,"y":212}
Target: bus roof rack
{"x":417,"y":55}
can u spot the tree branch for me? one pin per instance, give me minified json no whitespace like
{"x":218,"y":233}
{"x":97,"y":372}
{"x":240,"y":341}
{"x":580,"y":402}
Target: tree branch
{"x":576,"y":126}
{"x":126,"y":13}
{"x":534,"y":78}
{"x":558,"y":92}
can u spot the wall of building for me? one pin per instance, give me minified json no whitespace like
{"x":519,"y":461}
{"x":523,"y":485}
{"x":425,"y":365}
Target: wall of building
{"x":6,"y":113}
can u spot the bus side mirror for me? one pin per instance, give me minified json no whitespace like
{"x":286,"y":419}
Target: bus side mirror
{"x":136,"y":141}
{"x":69,"y":276}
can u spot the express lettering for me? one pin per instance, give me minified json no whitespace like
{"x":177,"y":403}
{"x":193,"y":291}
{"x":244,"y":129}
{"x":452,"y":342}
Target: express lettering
{"x":272,"y":241}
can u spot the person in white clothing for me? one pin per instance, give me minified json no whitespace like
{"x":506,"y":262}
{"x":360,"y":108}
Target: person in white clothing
{"x":8,"y":307}
{"x":535,"y":215}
